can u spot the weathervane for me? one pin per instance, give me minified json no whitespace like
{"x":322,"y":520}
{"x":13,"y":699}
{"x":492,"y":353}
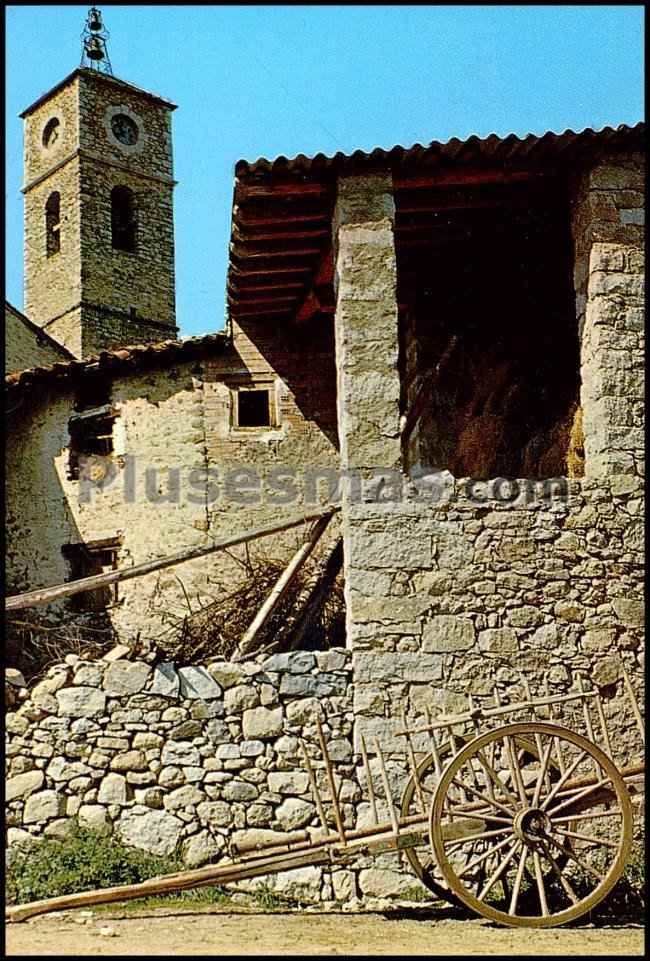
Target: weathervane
{"x":94,"y":52}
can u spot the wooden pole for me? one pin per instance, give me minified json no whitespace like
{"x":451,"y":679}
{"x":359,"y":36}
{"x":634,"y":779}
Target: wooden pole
{"x":314,"y":787}
{"x":45,"y":595}
{"x":414,"y":765}
{"x":332,"y":783}
{"x":635,"y":706}
{"x":371,"y":787}
{"x":386,"y":782}
{"x":281,"y":587}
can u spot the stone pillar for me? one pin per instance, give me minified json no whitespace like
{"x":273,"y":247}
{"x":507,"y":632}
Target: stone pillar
{"x":608,"y":230}
{"x":368,"y":383}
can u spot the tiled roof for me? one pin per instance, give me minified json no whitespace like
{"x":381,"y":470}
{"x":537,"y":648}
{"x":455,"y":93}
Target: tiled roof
{"x":122,"y":360}
{"x":280,"y":251}
{"x":494,"y":148}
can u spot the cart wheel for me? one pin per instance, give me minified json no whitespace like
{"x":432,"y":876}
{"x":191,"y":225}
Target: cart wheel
{"x":554,"y":846}
{"x":420,"y":857}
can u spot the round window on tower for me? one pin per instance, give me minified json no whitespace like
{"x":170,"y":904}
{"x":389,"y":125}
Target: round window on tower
{"x":124,"y":129}
{"x":51,"y":132}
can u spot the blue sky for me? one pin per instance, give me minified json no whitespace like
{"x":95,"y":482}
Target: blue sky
{"x":255,"y":81}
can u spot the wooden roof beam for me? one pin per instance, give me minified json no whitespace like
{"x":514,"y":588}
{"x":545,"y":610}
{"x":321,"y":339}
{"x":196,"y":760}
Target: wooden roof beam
{"x":263,"y":270}
{"x":462,"y":176}
{"x":248,"y":250}
{"x":245,"y":235}
{"x":292,"y":188}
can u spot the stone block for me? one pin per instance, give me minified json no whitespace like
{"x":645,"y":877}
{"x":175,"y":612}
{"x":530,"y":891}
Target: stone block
{"x":240,"y":791}
{"x":383,"y":883}
{"x":294,"y":813}
{"x":165,"y":680}
{"x":288,"y":782}
{"x":240,"y":697}
{"x":300,"y":884}
{"x":292,"y":662}
{"x":43,"y":806}
{"x":183,"y":797}
{"x":196,"y":683}
{"x":629,"y":611}
{"x":447,"y":633}
{"x":180,"y":753}
{"x":261,"y":723}
{"x":113,"y":790}
{"x":22,"y":785}
{"x":94,"y":816}
{"x":199,"y":849}
{"x":126,"y":677}
{"x":81,"y":702}
{"x":155,"y":831}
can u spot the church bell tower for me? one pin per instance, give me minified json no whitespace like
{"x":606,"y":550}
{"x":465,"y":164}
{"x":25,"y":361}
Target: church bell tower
{"x":99,"y":230}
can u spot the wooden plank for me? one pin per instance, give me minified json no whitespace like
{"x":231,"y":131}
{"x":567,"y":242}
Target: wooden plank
{"x":245,"y":234}
{"x":275,"y":188}
{"x":252,"y":251}
{"x":46,"y":594}
{"x":261,"y":270}
{"x":278,"y":218}
{"x":460,"y":176}
{"x":281,"y":587}
{"x":243,"y":286}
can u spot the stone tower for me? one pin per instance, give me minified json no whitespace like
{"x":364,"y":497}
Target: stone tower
{"x":99,"y":232}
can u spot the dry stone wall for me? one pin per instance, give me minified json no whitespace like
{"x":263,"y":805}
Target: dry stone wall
{"x":184,"y":760}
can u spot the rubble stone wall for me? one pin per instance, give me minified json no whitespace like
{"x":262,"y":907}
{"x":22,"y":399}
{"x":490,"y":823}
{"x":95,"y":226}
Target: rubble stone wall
{"x":182,"y":761}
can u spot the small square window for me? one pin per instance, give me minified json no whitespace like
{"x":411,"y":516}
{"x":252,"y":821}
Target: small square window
{"x":90,"y":432}
{"x":85,"y":560}
{"x":253,"y":408}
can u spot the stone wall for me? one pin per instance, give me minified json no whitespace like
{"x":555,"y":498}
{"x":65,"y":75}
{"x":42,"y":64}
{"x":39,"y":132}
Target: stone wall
{"x":184,"y":761}
{"x":453,"y":593}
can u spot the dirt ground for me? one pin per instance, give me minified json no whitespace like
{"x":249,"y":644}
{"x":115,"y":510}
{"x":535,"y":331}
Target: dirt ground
{"x":208,"y":931}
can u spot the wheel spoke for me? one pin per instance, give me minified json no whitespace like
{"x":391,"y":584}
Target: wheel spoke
{"x":588,"y":837}
{"x":478,"y":837}
{"x":585,"y":792}
{"x":556,"y":869}
{"x":571,"y":854}
{"x":515,"y":772}
{"x":489,"y":801}
{"x":542,"y":774}
{"x":518,"y":879}
{"x":480,"y":814}
{"x":588,"y":817}
{"x":489,"y":770}
{"x":565,"y":777}
{"x":485,"y":856}
{"x":539,"y":877}
{"x":496,"y":874}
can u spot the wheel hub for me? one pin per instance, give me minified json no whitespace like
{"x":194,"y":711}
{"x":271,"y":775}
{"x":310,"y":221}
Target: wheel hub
{"x":531,"y":825}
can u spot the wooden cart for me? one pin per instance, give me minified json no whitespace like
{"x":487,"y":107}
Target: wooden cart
{"x":522,"y":819}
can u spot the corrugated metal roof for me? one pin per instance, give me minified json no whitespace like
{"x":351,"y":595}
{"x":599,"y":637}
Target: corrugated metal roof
{"x":493,"y":148}
{"x":121,"y":360}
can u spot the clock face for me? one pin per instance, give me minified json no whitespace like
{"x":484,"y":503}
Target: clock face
{"x":124,"y":129}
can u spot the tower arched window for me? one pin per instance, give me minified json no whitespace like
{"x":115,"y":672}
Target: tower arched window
{"x":53,"y":223}
{"x":123,"y":218}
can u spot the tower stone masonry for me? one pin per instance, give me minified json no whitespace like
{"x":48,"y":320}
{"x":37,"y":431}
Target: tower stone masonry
{"x":99,"y":231}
